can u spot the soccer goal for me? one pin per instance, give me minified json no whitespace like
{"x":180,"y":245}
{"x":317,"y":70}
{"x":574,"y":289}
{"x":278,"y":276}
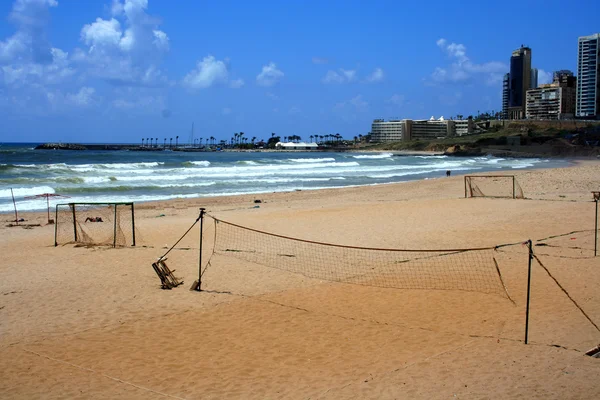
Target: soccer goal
{"x":501,"y":186}
{"x":102,"y":224}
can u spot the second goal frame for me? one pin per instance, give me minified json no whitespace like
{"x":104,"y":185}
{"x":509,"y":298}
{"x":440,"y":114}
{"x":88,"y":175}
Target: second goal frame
{"x":469,"y":188}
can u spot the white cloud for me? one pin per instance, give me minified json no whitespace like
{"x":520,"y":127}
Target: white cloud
{"x":126,"y":49}
{"x":343,"y":76}
{"x":544,"y":77}
{"x":28,"y":62}
{"x":269,"y":75}
{"x":161,"y":40}
{"x":83,"y":98}
{"x":236,"y":83}
{"x":376,"y":76}
{"x":226,"y":111}
{"x":208,"y":72}
{"x":463,"y":69}
{"x":102,"y":33}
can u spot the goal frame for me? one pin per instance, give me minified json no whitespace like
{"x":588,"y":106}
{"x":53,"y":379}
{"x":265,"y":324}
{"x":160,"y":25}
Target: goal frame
{"x":73,"y":207}
{"x":469,"y":190}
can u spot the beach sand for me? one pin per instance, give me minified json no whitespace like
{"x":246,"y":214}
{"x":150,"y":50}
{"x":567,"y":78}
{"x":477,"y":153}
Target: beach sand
{"x":92,"y":322}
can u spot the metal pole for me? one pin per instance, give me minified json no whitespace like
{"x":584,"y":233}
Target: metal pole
{"x":48,"y":207}
{"x":199,"y":285}
{"x":56,"y":225}
{"x":74,"y":221}
{"x":596,"y":231}
{"x":514,"y":194}
{"x":115,"y":228}
{"x":133,"y":224}
{"x":465,"y":187}
{"x":15,"y":206}
{"x":528,"y":291}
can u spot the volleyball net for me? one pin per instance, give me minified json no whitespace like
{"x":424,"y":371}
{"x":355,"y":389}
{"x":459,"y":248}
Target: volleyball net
{"x":474,"y":269}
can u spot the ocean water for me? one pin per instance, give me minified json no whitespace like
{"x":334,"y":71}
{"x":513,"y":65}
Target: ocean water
{"x":119,"y":176}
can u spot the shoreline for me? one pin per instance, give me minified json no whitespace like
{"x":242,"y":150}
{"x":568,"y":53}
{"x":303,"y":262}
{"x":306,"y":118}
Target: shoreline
{"x":314,"y":193}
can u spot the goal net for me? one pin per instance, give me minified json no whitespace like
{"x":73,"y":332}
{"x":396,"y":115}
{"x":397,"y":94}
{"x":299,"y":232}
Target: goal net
{"x":451,"y":269}
{"x":103,"y":224}
{"x":502,"y":186}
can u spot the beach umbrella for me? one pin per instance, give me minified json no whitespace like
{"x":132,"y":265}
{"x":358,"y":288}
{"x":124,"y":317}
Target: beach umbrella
{"x":47,"y":196}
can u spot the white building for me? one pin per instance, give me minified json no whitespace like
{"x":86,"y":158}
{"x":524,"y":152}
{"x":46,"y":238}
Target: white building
{"x":588,"y":77}
{"x":296,"y":146}
{"x":387,"y":131}
{"x":408,"y":129}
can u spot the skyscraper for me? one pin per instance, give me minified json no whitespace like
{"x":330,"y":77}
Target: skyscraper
{"x":588,"y":77}
{"x":505,"y":93}
{"x":519,"y":83}
{"x":534,"y":78}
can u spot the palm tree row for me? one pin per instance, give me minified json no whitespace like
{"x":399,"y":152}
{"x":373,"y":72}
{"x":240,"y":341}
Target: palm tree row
{"x":326,"y":138}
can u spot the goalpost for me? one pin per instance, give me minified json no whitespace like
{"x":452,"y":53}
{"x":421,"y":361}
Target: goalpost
{"x":500,"y":186}
{"x":108,"y":224}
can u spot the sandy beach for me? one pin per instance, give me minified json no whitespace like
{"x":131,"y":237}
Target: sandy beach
{"x":92,"y":322}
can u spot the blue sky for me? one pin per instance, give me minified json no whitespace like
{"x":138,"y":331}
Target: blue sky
{"x":122,"y":70}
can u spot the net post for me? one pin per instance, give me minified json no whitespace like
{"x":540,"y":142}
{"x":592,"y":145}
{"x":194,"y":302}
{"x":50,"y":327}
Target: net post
{"x":55,"y":225}
{"x":596,"y":230}
{"x":15,"y":206}
{"x":514,"y":188}
{"x":74,"y":221}
{"x":530,"y":256}
{"x":198,"y":286}
{"x":133,"y":224}
{"x":115,"y":228}
{"x":465,"y":186}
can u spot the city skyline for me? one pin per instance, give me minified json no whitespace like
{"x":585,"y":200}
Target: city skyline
{"x":116,"y":71}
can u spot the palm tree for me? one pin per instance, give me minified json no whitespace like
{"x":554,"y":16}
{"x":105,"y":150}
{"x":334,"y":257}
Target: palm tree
{"x":272,"y":134}
{"x":212,"y":140}
{"x":142,"y":142}
{"x":170,"y":142}
{"x":321,"y":137}
{"x":156,"y":143}
{"x":165,"y":143}
{"x":253,"y":140}
{"x":176,"y":141}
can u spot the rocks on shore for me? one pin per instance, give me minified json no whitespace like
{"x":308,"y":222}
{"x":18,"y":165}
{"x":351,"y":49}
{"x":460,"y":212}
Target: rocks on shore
{"x":60,"y":146}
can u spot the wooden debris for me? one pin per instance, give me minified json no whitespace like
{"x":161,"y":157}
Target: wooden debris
{"x":167,"y":279}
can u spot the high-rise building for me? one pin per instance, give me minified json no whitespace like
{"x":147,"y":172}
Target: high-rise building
{"x":534,"y":78}
{"x":555,"y":100}
{"x":505,"y":92}
{"x":588,"y":77}
{"x":519,"y":83}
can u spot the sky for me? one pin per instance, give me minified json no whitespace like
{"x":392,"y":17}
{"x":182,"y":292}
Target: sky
{"x":117,"y":71}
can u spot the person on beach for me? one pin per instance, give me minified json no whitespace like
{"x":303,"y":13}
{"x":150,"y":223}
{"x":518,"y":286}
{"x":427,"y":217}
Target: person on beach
{"x":448,"y":173}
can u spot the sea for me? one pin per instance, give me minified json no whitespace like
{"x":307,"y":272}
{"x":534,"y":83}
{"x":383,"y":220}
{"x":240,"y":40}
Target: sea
{"x":140,"y":176}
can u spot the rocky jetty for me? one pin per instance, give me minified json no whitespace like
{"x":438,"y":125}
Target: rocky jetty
{"x":61,"y":146}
